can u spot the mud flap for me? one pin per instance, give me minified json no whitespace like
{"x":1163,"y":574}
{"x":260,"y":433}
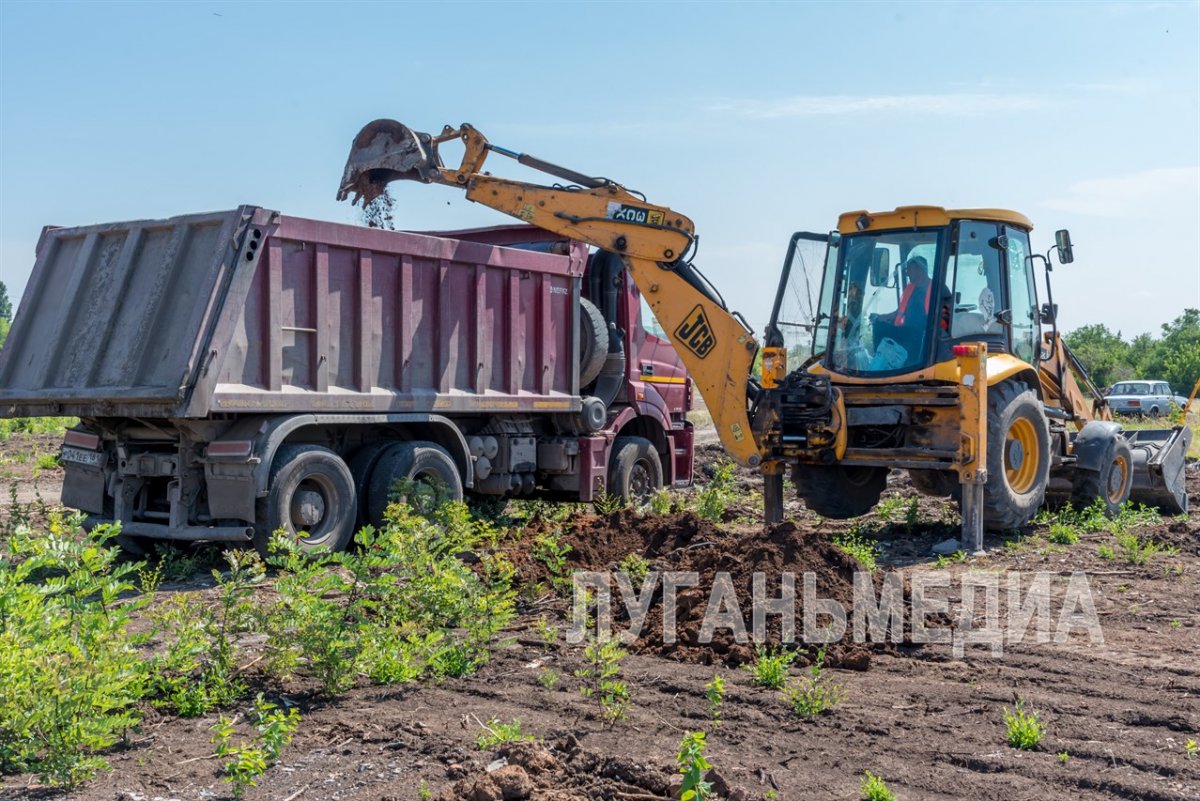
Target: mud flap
{"x":1158,"y":467}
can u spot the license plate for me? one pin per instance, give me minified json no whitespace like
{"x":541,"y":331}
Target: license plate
{"x":91,"y":458}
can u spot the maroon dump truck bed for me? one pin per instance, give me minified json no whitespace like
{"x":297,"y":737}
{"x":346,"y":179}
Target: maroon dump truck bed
{"x":250,"y":311}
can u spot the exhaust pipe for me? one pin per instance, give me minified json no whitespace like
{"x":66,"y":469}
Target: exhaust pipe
{"x":385,"y":151}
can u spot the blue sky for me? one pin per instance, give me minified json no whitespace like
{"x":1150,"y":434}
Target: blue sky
{"x":753,"y":119}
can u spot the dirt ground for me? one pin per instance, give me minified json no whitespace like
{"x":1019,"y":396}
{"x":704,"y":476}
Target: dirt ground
{"x":929,"y":724}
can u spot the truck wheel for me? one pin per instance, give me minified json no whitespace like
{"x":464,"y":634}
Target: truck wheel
{"x":311,"y":497}
{"x":634,"y":472}
{"x":420,"y":462}
{"x":1111,"y":483}
{"x":839,"y":492}
{"x":593,"y":342}
{"x":1018,"y":457}
{"x":361,"y":464}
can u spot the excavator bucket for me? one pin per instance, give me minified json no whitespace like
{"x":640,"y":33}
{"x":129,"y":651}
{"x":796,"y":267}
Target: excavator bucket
{"x":1158,"y":467}
{"x":384,"y":151}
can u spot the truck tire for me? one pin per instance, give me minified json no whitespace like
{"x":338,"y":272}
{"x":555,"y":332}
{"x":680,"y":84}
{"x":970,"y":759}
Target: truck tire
{"x":1111,"y":483}
{"x":417,"y":461}
{"x":839,"y":492}
{"x":593,"y":342}
{"x":1018,"y":457}
{"x":310,"y":496}
{"x":634,"y":470}
{"x":361,"y":464}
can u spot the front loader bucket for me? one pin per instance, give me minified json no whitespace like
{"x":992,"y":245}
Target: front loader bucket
{"x":1158,"y":467}
{"x":385,"y":151}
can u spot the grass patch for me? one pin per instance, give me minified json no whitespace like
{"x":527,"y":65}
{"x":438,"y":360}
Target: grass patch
{"x":865,"y":551}
{"x":874,"y":788}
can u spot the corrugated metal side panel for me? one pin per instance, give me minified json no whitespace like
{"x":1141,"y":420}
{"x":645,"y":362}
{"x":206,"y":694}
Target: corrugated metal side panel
{"x":343,"y":317}
{"x":114,"y":313}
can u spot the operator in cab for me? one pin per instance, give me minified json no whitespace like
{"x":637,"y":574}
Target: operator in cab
{"x":911,"y":314}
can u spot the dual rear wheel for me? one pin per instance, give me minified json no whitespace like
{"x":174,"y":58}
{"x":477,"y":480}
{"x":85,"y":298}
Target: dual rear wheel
{"x":321,"y":501}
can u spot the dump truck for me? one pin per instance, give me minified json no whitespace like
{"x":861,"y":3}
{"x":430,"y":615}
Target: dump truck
{"x":244,"y":371}
{"x":929,"y":350}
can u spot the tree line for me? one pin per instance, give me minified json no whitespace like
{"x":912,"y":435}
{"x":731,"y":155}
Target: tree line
{"x":1173,"y":356}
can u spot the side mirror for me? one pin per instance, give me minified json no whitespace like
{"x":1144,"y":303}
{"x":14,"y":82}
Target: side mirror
{"x":1062,"y":241}
{"x":880,"y":267}
{"x":1049,"y":313}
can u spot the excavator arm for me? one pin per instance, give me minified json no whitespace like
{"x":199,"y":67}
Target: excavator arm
{"x":653,"y":241}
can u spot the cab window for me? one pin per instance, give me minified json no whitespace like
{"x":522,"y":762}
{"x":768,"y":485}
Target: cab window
{"x":1022,"y":295}
{"x":978,"y":290}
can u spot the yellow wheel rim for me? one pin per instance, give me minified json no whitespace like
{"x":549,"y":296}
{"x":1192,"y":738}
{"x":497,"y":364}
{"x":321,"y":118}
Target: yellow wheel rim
{"x":1117,"y":478}
{"x":1021,"y":455}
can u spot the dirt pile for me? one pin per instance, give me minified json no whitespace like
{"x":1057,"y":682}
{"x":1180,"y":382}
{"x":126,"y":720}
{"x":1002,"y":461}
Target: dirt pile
{"x":686,"y":543}
{"x":564,"y":771}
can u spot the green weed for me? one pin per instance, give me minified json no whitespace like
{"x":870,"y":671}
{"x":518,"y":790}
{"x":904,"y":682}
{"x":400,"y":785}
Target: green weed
{"x":714,"y":499}
{"x":815,"y":694}
{"x":714,"y":694}
{"x":944,"y":560}
{"x":600,"y":675}
{"x":636,"y":567}
{"x":865,"y":551}
{"x":1024,"y":729}
{"x":874,"y":788}
{"x":692,"y":766}
{"x":245,"y":762}
{"x":662,"y":503}
{"x":551,"y":551}
{"x":496,"y":733}
{"x":606,"y":503}
{"x":548,"y":678}
{"x":770,"y":668}
{"x":1064,"y":757}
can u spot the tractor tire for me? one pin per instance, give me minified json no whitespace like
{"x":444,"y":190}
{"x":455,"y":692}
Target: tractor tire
{"x":938,"y":483}
{"x":310,"y":497}
{"x":1018,"y":457}
{"x":634,"y":470}
{"x":593,"y":342}
{"x":1111,"y":483}
{"x":839,"y":492}
{"x":418,"y":461}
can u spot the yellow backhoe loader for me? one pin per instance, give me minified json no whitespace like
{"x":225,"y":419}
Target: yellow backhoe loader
{"x":929,"y":350}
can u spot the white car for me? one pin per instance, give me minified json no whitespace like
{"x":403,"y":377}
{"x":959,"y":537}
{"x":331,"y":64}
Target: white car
{"x":1153,"y":398}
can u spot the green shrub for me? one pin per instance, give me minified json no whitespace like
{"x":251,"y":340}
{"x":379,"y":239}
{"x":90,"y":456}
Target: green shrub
{"x":600,"y":676}
{"x":814,"y":693}
{"x":713,"y":500}
{"x":73,"y":672}
{"x":198,"y":670}
{"x":245,"y":762}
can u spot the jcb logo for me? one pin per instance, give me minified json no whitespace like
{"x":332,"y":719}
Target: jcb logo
{"x":695,"y":333}
{"x":634,"y":214}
